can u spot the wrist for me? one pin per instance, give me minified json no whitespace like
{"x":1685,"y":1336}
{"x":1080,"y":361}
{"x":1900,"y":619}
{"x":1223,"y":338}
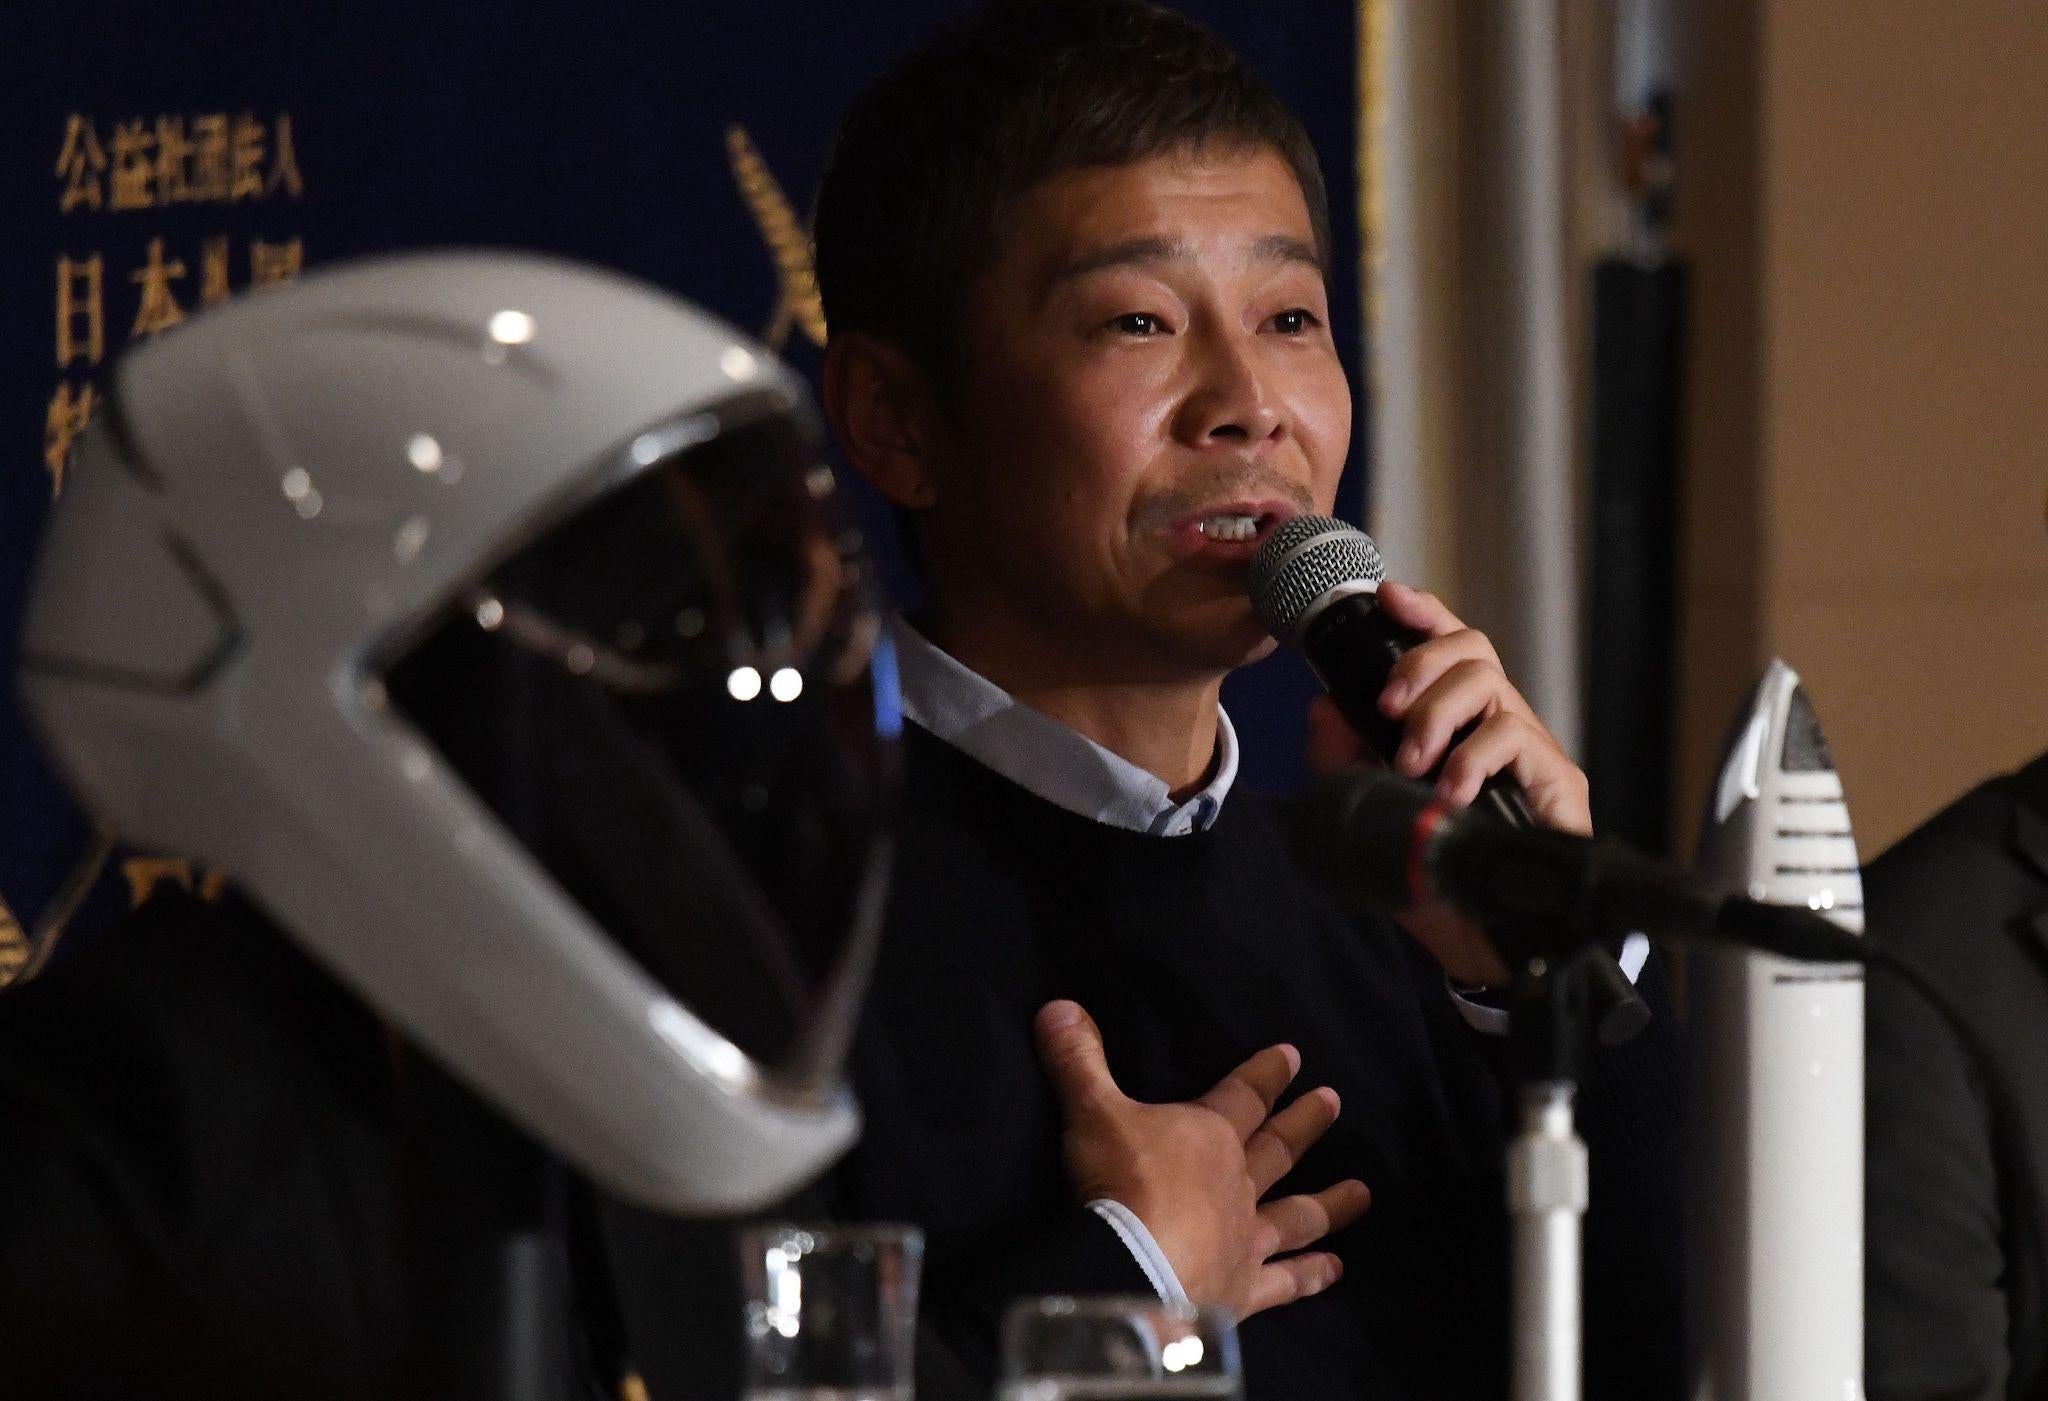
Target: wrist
{"x":1186,"y":1248}
{"x":1145,"y":1250}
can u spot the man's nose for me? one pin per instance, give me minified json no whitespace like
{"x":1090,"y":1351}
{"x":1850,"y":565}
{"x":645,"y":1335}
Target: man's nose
{"x":1229,"y":401}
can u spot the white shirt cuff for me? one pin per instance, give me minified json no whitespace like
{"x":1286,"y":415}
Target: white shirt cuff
{"x":1493,"y":1021}
{"x":1145,"y":1250}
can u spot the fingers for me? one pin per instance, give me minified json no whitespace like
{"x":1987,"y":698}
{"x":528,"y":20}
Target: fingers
{"x":1425,"y":664}
{"x":1554,"y":785}
{"x":1424,"y":612}
{"x":1245,"y":1097}
{"x":1070,"y":1048}
{"x":1284,"y":1281}
{"x":1294,"y":1223}
{"x":1455,"y":680}
{"x":1468,"y":691}
{"x":1278,"y":1145}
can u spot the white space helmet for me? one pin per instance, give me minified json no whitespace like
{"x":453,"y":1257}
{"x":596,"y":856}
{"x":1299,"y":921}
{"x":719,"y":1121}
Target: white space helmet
{"x":491,"y":621}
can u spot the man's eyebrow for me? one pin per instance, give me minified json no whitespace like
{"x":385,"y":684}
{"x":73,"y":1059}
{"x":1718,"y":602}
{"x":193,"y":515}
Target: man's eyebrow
{"x":1270,"y":248}
{"x":1284,"y":248}
{"x":1136,"y":250}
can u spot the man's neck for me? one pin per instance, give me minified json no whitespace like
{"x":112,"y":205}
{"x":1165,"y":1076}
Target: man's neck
{"x":1163,"y":723}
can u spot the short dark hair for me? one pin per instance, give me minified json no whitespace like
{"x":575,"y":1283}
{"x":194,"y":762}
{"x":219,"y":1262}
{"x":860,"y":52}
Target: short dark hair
{"x":932,"y":158}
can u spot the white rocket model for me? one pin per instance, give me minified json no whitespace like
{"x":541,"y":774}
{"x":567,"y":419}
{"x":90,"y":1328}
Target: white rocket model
{"x":1776,"y":1237}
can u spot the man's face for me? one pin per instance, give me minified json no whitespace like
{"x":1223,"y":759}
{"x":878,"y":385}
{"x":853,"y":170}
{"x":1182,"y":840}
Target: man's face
{"x":1149,"y":385}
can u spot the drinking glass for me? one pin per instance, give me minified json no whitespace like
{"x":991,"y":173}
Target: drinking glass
{"x":831,"y":1311}
{"x":1110,"y":1349}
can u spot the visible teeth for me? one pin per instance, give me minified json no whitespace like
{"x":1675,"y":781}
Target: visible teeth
{"x":1230,"y":527}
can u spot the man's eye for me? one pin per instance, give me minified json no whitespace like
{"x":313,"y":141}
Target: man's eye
{"x":1139,"y":323}
{"x":1295,"y":322}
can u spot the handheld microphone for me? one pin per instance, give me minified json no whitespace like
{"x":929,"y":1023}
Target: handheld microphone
{"x":1315,"y":583}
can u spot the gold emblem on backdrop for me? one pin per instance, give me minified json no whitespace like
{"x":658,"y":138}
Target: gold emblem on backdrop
{"x":13,"y":945}
{"x":145,"y":873}
{"x":23,"y":955}
{"x":797,"y":303}
{"x":24,"y":952}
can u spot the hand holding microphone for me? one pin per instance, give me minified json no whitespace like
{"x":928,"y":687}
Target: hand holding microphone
{"x":1448,"y":711}
{"x":1465,"y":722}
{"x":1420,"y":689}
{"x":1429,"y":697}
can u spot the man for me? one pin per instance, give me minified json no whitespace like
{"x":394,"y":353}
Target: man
{"x":1958,"y":1135}
{"x":1072,"y":257}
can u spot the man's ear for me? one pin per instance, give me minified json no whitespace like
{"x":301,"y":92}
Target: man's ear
{"x":881,"y":406}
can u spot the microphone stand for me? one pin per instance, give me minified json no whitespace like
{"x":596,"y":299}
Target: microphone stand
{"x":1547,"y":899}
{"x":1547,"y":1180}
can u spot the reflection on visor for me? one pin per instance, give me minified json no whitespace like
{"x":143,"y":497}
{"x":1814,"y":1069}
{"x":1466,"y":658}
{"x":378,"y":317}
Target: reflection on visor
{"x":674,"y":701}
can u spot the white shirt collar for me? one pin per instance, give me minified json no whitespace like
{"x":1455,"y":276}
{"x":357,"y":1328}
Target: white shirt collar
{"x":1038,"y":753}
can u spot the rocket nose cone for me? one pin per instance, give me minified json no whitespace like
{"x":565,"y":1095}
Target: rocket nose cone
{"x":1805,"y":749}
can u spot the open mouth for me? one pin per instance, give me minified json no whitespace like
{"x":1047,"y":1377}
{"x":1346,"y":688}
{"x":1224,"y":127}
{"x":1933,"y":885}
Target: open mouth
{"x":1235,"y":529}
{"x":1231,"y":528}
{"x":1227,"y":532}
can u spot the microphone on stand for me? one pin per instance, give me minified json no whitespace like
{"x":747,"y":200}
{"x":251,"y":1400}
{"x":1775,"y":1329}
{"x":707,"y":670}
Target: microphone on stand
{"x":1382,"y":841}
{"x":1315,"y":583}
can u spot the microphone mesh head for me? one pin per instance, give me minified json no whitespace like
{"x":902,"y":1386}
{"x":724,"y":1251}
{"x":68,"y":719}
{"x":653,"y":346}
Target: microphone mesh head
{"x":1298,"y":566}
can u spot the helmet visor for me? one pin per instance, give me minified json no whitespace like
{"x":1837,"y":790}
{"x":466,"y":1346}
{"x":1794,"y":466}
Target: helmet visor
{"x":679,"y":699}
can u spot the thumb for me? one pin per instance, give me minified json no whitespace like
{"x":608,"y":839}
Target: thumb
{"x":1070,"y":1046}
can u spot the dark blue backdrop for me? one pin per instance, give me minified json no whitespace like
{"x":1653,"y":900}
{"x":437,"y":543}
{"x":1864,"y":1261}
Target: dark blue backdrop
{"x":239,"y":137}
